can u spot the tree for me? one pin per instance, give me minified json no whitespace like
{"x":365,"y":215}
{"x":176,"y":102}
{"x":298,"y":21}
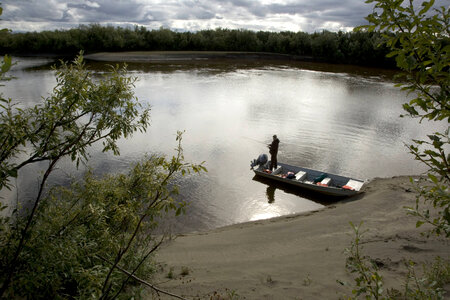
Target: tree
{"x":92,"y":239}
{"x":6,"y":63}
{"x":419,"y":39}
{"x":325,"y":46}
{"x":301,"y":43}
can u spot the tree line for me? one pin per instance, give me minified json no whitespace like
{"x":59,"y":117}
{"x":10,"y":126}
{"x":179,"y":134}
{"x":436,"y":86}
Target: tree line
{"x":360,"y":48}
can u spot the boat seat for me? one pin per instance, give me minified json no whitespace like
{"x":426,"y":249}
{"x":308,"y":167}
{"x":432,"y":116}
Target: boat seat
{"x":277,"y":171}
{"x":326,"y":181}
{"x":354,"y":184}
{"x":301,"y":175}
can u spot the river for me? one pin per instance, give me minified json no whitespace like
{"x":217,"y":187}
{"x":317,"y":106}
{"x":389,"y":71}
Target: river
{"x":340,"y":119}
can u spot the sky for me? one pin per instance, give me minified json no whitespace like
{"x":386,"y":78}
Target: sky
{"x":186,"y":15}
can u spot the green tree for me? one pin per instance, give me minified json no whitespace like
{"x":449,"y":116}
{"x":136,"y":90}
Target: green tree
{"x":419,"y":39}
{"x":5,"y":65}
{"x":301,"y":44}
{"x":163,"y":39}
{"x":94,"y":238}
{"x":355,"y":48}
{"x":325,"y":46}
{"x":79,"y":113}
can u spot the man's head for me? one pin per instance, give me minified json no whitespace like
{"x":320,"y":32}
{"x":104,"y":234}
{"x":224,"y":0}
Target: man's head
{"x":274,"y":136}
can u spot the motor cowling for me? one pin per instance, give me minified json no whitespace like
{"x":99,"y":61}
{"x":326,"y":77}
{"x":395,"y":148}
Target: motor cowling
{"x":261,"y":160}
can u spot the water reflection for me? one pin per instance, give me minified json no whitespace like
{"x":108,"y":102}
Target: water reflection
{"x":329,"y":118}
{"x":270,"y":193}
{"x":279,"y":199}
{"x":285,"y":188}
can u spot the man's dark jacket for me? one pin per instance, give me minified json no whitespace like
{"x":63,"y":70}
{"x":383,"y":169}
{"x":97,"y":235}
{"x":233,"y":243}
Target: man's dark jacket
{"x":273,"y":148}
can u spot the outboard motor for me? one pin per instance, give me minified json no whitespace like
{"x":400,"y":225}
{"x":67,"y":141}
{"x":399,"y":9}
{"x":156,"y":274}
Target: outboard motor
{"x":261,"y":160}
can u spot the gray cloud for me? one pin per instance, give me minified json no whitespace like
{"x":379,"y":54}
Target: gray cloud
{"x":99,"y":11}
{"x":187,"y":15}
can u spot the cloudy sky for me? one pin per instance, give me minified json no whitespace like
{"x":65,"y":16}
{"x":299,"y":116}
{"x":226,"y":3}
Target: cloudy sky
{"x":186,"y":15}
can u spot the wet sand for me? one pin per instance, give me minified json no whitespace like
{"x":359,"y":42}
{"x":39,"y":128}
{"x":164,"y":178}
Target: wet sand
{"x":299,"y":256}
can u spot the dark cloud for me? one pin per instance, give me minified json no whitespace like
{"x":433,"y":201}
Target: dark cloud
{"x":346,"y":11}
{"x":272,"y":15}
{"x":29,"y":11}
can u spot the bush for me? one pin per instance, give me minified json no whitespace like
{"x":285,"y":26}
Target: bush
{"x":95,"y":238}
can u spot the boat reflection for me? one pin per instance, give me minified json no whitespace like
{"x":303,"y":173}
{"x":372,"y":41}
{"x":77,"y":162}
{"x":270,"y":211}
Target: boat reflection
{"x":270,"y":193}
{"x":272,"y":186}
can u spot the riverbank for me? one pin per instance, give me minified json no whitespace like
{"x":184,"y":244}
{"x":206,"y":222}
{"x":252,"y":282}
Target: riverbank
{"x":299,"y":256}
{"x":227,"y":58}
{"x":198,"y":56}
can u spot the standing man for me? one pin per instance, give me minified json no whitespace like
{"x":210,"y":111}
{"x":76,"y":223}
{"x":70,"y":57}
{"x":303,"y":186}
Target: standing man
{"x":273,"y":150}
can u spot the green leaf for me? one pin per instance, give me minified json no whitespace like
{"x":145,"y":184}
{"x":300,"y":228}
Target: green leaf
{"x":12,"y":173}
{"x":178,"y":211}
{"x":392,"y":54}
{"x":426,"y":6}
{"x":6,"y":65}
{"x":433,"y":178}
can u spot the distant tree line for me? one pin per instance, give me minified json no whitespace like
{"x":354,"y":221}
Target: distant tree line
{"x":360,"y":48}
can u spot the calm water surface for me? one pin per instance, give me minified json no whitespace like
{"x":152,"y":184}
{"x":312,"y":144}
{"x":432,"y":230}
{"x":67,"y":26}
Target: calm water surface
{"x":337,"y":119}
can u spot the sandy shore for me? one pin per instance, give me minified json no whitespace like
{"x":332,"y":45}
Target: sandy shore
{"x":299,"y":256}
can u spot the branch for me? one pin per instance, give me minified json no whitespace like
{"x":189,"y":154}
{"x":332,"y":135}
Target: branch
{"x":173,"y":168}
{"x":12,"y":265}
{"x":154,"y":248}
{"x":66,"y":145}
{"x":105,"y":290}
{"x":141,"y":280}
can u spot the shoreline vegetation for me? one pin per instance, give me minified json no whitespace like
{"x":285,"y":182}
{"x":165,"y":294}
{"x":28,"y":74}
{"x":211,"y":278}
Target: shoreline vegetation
{"x":356,"y":48}
{"x":300,"y":256}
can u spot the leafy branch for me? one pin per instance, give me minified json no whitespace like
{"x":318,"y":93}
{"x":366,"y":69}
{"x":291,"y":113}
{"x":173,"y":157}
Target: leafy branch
{"x":81,"y":111}
{"x":419,"y":39}
{"x":369,"y":282}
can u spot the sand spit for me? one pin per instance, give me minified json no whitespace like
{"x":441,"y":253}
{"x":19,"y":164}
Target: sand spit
{"x":299,"y":256}
{"x":174,"y":56}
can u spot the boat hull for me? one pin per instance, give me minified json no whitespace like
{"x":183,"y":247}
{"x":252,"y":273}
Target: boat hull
{"x":307,"y":183}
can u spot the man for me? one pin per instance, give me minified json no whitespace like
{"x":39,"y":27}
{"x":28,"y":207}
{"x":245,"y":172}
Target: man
{"x":273,"y":150}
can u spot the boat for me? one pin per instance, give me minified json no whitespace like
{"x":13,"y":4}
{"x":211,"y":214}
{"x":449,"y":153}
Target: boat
{"x":313,"y":180}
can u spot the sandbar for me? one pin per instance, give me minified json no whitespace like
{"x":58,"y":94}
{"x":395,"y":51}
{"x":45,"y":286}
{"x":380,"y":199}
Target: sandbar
{"x":190,"y":56}
{"x":300,"y":256}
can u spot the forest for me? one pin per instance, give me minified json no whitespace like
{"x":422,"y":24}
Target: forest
{"x":358,"y":47}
